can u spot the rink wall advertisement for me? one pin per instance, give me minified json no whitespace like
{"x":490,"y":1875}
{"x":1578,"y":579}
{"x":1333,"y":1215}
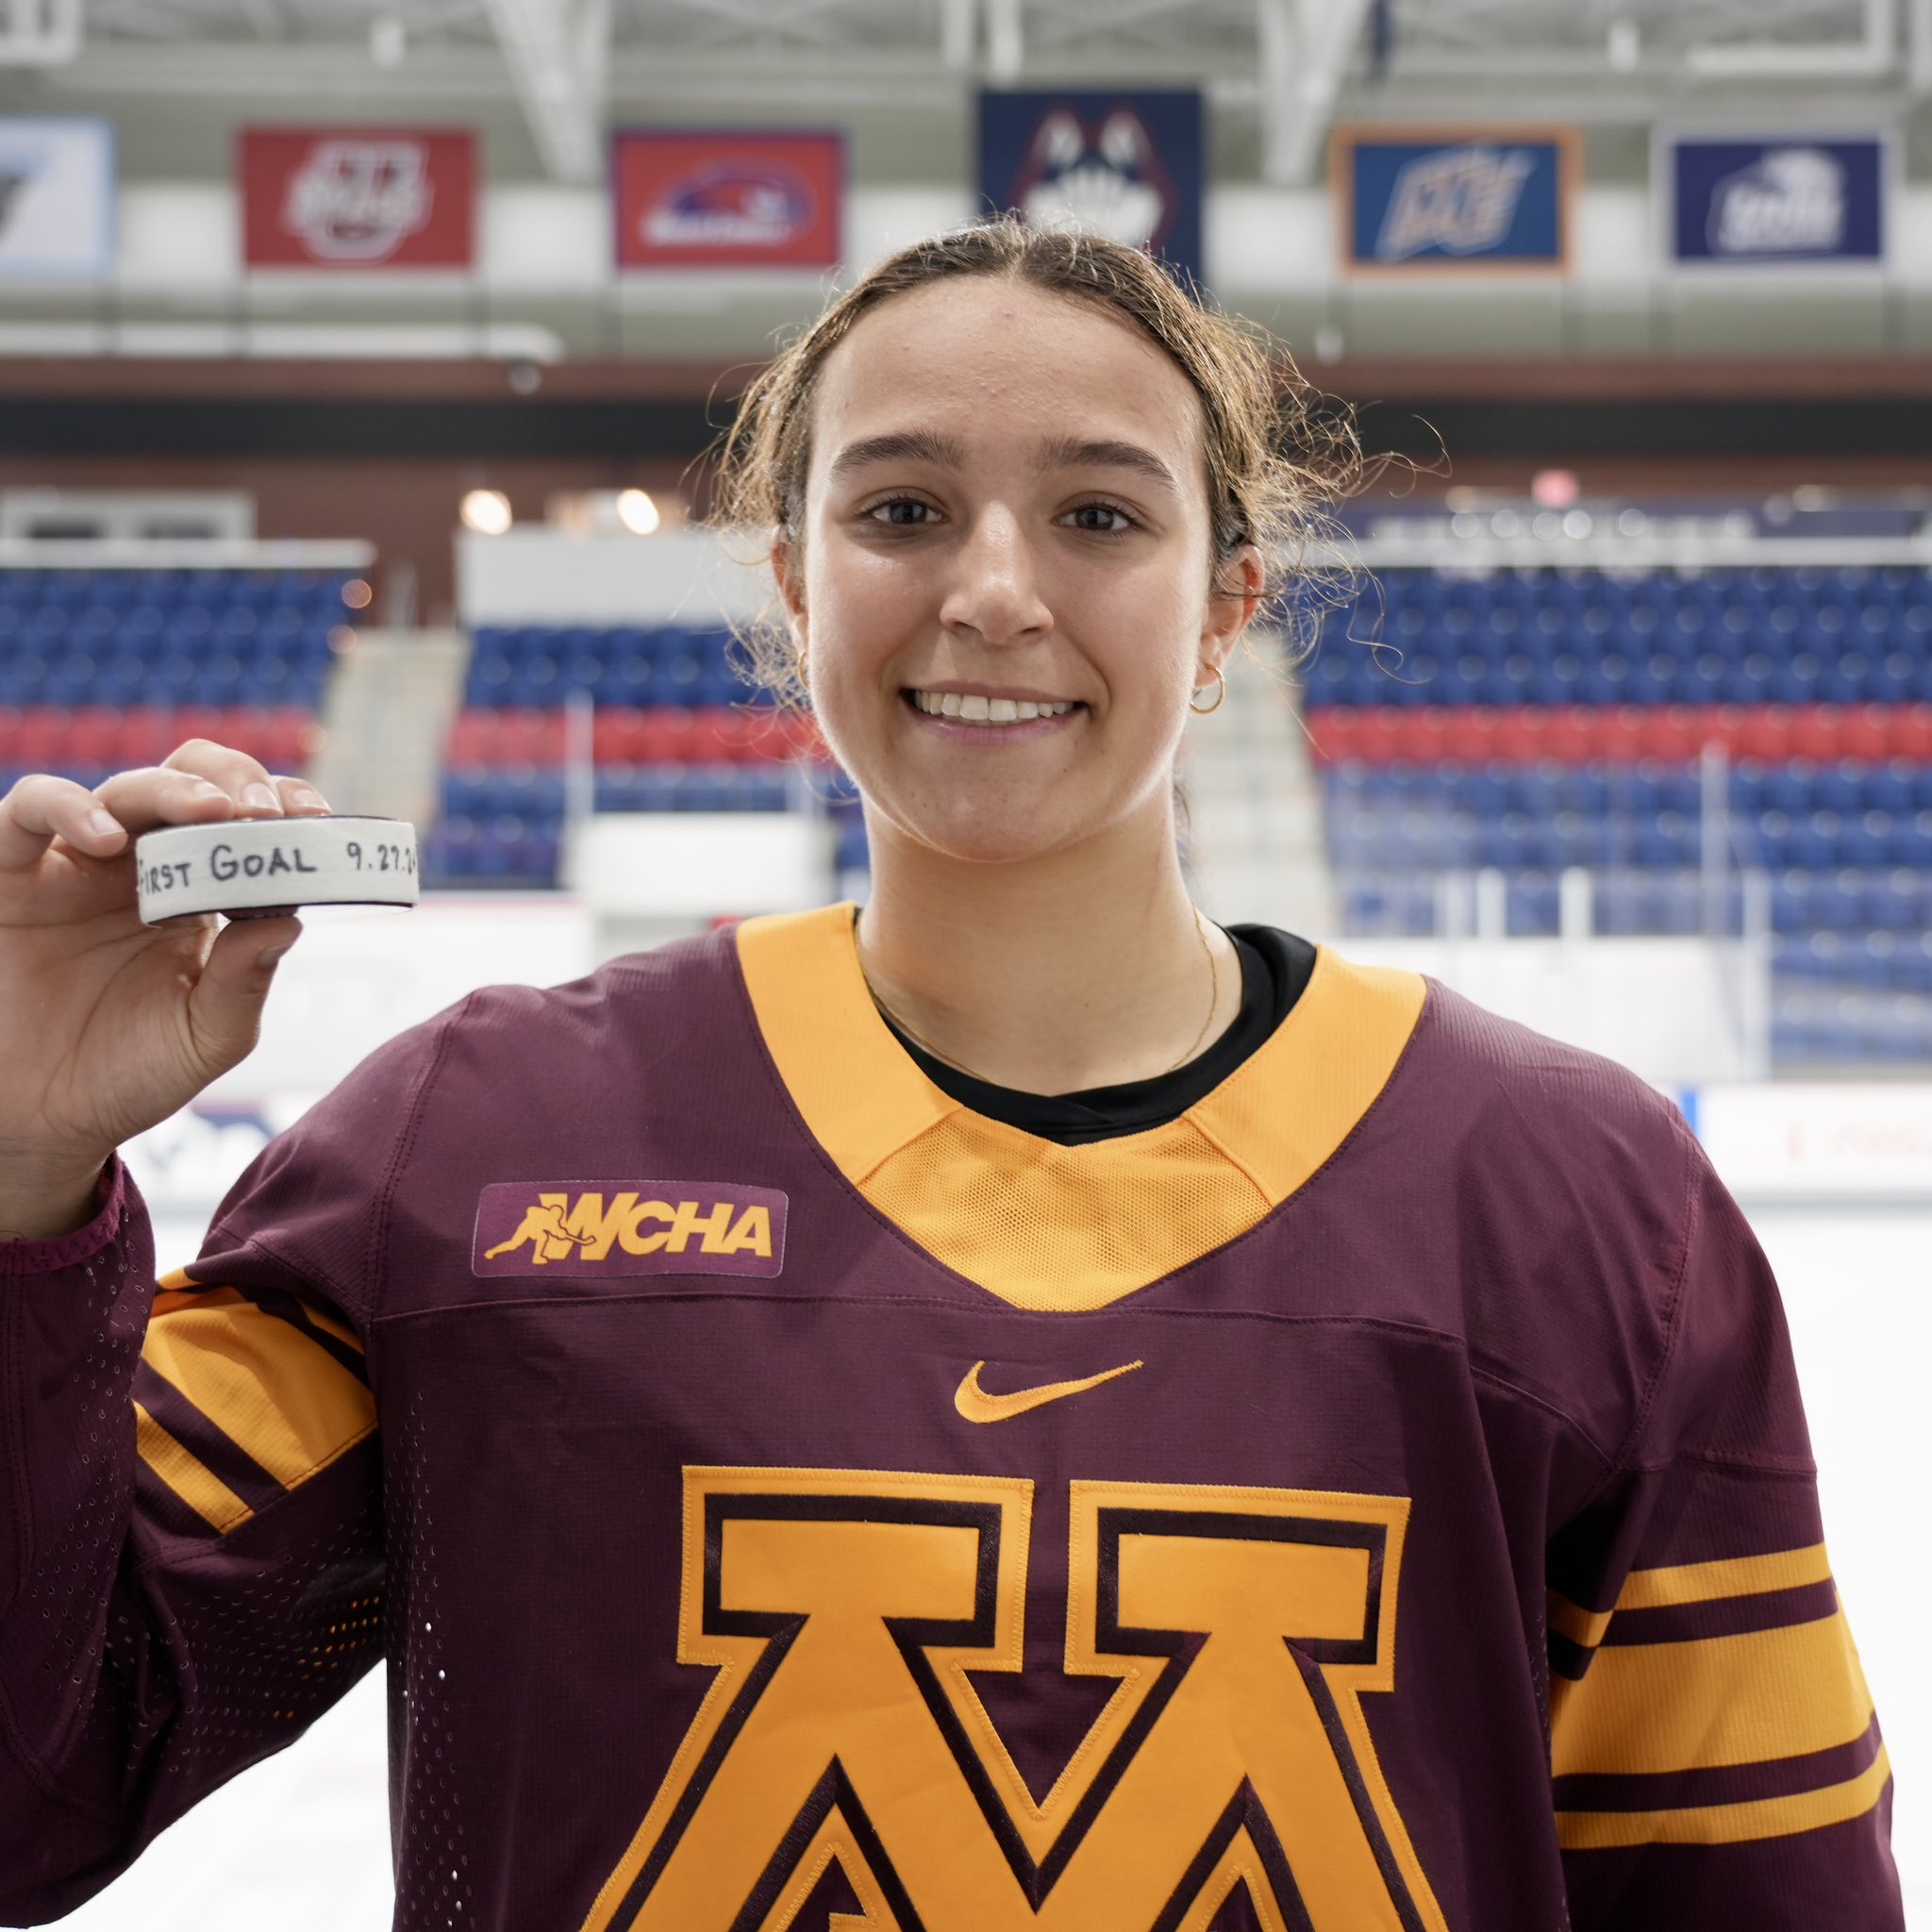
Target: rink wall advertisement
{"x":1455,"y":200}
{"x":1791,"y":201}
{"x":728,"y":199}
{"x":358,"y":198}
{"x":1818,"y":1142}
{"x":1126,"y":165}
{"x":56,"y":197}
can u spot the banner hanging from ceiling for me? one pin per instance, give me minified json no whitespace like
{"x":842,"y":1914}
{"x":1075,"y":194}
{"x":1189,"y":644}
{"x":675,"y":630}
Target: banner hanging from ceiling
{"x":358,"y":198}
{"x":56,"y":197}
{"x":729,"y":198}
{"x":1786,"y":202}
{"x":1125,"y":165}
{"x":1447,"y":200}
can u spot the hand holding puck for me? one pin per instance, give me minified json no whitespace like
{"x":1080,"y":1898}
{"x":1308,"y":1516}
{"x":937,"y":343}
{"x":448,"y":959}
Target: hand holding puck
{"x":256,"y":868}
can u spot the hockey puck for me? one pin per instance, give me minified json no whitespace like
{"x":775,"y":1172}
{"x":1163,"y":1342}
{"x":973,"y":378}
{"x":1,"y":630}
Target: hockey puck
{"x":254,"y":868}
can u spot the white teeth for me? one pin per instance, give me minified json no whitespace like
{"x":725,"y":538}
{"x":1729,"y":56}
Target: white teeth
{"x":969,"y":707}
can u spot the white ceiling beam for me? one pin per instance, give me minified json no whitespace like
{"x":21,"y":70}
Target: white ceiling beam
{"x":1920,"y":47}
{"x":959,"y":30}
{"x":558,"y":54}
{"x":1306,"y":46}
{"x":1005,"y":42}
{"x":1874,"y":53}
{"x":41,"y":33}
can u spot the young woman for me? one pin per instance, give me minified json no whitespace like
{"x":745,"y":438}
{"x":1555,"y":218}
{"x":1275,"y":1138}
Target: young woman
{"x":1014,"y":1409}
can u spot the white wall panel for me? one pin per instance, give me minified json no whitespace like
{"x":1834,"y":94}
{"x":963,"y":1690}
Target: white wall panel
{"x":179,"y":234}
{"x":1268,"y":241}
{"x":541,"y":237}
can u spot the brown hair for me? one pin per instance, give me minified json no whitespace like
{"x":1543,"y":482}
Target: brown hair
{"x":1273,"y":454}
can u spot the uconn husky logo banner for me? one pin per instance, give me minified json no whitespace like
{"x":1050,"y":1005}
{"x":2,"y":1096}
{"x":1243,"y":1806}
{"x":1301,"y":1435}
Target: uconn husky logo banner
{"x":1127,"y":166}
{"x":1788,"y":202}
{"x":1475,"y":198}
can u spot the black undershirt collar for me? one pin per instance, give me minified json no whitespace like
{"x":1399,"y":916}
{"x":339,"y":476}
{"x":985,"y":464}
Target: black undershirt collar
{"x":1276,"y":968}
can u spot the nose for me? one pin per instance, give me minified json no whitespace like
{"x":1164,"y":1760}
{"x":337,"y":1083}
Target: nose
{"x":995,"y":589}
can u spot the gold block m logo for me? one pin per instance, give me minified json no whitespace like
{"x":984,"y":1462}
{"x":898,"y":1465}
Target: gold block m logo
{"x":844,"y":1612}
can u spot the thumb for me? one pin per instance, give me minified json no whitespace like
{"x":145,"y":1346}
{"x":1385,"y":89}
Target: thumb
{"x":225,"y":1008}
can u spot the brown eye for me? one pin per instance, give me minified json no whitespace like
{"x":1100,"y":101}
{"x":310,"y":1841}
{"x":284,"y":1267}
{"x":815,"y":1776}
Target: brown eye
{"x":902,"y":513}
{"x":1101,"y":520}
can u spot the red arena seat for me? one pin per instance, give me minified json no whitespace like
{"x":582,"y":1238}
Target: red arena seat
{"x":617,"y":736}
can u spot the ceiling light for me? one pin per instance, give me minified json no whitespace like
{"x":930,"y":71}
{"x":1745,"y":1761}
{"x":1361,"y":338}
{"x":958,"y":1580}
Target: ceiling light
{"x":486,"y":511}
{"x":637,"y":512}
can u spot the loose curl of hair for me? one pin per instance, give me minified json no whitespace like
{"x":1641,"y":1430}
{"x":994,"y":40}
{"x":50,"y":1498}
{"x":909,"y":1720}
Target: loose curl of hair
{"x":1276,"y":452}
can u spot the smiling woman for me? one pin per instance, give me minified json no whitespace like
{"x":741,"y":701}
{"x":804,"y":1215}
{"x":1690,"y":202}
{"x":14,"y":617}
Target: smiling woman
{"x":1023,"y":495}
{"x":997,"y":1496}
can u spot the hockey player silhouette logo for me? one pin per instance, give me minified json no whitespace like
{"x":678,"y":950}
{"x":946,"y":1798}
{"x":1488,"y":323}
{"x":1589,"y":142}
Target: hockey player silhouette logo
{"x":844,"y":1616}
{"x":543,"y":1229}
{"x":636,"y":1228}
{"x":1107,"y":180}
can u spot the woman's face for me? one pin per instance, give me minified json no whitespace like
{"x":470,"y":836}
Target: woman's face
{"x":1005,"y":593}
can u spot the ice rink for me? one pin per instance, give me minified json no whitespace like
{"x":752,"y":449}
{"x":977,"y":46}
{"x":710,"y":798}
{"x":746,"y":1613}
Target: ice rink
{"x":302,"y":1843}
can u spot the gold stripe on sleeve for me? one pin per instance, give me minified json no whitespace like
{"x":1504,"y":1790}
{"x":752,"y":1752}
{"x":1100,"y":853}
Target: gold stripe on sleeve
{"x":190,"y":1478}
{"x":1713,"y":1701}
{"x":1693,"y":1583}
{"x":1579,"y":1625}
{"x":272,"y":1389}
{"x":1697,"y":1583}
{"x":1726,"y":1824}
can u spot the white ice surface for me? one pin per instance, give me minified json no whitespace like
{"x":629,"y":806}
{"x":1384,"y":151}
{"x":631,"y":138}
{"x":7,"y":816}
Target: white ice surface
{"x":302,"y":1842}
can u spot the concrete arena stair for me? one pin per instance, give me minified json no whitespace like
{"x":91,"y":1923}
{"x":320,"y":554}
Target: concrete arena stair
{"x":386,"y":717}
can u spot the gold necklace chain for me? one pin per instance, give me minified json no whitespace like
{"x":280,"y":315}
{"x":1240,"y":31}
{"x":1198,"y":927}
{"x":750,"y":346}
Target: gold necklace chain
{"x":919,"y":1041}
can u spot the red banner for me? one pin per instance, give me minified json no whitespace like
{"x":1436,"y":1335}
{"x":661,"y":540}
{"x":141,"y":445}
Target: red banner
{"x":357,"y":197}
{"x":728,"y":199}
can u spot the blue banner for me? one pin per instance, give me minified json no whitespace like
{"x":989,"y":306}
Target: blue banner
{"x":1776,"y":202}
{"x":1479,"y":199}
{"x":1126,"y":165}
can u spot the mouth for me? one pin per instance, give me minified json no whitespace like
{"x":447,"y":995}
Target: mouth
{"x":986,"y":712}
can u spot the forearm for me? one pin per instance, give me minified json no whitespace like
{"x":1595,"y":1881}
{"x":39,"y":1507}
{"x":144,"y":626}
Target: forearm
{"x":42,"y":1201}
{"x":167,"y":1604}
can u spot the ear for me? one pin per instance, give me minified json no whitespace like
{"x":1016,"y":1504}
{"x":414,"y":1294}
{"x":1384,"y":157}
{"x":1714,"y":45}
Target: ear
{"x":788,"y":568}
{"x":1234,"y":603}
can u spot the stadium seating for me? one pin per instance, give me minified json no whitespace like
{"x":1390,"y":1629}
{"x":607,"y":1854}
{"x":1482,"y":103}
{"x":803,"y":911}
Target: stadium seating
{"x":674,"y":729}
{"x":1531,"y":721}
{"x":104,"y":668}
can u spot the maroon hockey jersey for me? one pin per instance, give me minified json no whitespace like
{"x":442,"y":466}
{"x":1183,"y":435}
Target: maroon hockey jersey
{"x":1376,"y":1501}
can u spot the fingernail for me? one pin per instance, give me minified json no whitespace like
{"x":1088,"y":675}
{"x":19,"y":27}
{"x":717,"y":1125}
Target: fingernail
{"x":309,"y":799}
{"x":259,"y":798}
{"x":209,"y":788}
{"x":103,"y":825}
{"x":273,"y":955}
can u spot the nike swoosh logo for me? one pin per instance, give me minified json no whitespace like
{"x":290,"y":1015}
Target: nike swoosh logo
{"x":977,"y":1405}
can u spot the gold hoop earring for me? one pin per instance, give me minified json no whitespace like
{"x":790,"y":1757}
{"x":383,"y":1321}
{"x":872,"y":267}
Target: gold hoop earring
{"x":1220,"y":694}
{"x":802,"y":672}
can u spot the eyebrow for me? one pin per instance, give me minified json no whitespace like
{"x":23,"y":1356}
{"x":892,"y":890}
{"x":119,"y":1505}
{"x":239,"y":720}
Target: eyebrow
{"x":902,"y":446}
{"x":1063,"y":453}
{"x":1067,"y":452}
